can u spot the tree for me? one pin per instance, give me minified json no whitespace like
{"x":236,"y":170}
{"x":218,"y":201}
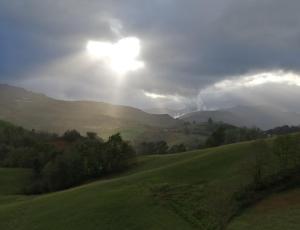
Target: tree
{"x":217,"y":138}
{"x":161,"y":147}
{"x":71,"y":135}
{"x":177,"y":148}
{"x":91,"y":151}
{"x":91,"y":135}
{"x":295,"y":151}
{"x":118,"y":154}
{"x":37,"y":166}
{"x":63,"y":172}
{"x":283,"y":148}
{"x":260,"y":161}
{"x":287,"y":149}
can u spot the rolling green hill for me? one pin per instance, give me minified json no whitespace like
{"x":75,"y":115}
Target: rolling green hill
{"x":180,"y":191}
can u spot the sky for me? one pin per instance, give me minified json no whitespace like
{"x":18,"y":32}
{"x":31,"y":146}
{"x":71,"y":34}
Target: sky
{"x":196,"y":54}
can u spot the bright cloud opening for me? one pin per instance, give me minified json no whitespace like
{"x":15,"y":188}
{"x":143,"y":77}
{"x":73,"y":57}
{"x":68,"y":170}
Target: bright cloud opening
{"x":276,"y":77}
{"x":122,"y":56}
{"x":278,"y":88}
{"x":155,"y":96}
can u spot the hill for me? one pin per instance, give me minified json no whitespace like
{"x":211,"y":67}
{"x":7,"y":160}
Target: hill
{"x":259,"y":116}
{"x":279,"y":211}
{"x":181,"y":191}
{"x":37,"y":111}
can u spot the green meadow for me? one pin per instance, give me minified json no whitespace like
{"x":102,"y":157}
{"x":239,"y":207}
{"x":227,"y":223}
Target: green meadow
{"x":190,"y":190}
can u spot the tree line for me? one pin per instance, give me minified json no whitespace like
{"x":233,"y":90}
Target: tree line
{"x":65,"y":161}
{"x":228,"y":134}
{"x":219,"y":134}
{"x":159,"y":147}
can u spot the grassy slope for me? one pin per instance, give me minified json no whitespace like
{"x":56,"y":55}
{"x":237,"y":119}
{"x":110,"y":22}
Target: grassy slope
{"x":279,"y":211}
{"x":163,"y":192}
{"x":12,"y":182}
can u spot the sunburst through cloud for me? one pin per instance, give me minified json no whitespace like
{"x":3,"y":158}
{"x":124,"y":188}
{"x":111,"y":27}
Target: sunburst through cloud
{"x":122,"y":56}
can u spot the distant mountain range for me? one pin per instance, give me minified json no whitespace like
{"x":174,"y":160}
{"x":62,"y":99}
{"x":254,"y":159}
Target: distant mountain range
{"x":37,"y":111}
{"x":172,"y":112}
{"x":264,"y":117}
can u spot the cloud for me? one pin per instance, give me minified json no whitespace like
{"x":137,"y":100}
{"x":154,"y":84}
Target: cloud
{"x":187,"y":46}
{"x":166,"y":97}
{"x":257,"y":79}
{"x":155,"y":95}
{"x":275,"y":88}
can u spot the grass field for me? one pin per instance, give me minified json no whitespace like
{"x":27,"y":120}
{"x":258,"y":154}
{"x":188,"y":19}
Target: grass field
{"x":181,"y":191}
{"x":279,"y":211}
{"x":12,"y":183}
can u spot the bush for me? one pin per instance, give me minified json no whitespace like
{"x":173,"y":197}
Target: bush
{"x":159,"y":147}
{"x":177,"y":148}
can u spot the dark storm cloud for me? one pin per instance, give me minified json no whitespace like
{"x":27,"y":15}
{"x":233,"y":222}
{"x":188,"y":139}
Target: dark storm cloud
{"x":35,"y":32}
{"x":255,"y":35}
{"x":187,"y":45}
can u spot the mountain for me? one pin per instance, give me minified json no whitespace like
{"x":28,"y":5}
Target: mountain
{"x":264,"y":117}
{"x":172,"y":112}
{"x":37,"y":111}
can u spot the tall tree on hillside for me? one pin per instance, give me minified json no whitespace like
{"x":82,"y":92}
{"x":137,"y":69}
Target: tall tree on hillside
{"x":217,"y":138}
{"x":283,"y":148}
{"x":260,"y":162}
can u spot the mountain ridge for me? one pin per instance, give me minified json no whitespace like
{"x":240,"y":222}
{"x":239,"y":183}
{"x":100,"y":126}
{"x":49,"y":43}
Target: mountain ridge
{"x":38,"y":111}
{"x":264,"y":117}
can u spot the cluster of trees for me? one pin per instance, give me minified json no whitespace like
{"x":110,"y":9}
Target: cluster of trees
{"x":227,"y":134}
{"x":62,"y":162}
{"x":273,"y":163}
{"x":219,"y":134}
{"x":22,"y":148}
{"x":86,"y":158}
{"x":283,"y":130}
{"x":159,"y":147}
